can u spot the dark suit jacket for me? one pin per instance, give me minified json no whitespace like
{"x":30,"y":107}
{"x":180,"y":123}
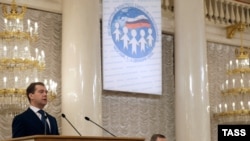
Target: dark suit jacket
{"x":28,"y":123}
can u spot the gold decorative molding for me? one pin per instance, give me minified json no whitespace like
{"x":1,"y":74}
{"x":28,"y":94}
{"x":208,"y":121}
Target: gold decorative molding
{"x":14,"y":13}
{"x":231,"y":30}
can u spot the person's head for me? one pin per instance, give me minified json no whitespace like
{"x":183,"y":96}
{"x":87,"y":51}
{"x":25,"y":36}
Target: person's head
{"x":37,"y":94}
{"x":158,"y":137}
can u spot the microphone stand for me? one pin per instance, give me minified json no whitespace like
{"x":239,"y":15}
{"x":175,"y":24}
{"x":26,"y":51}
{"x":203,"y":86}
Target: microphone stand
{"x":99,"y":126}
{"x":71,"y":124}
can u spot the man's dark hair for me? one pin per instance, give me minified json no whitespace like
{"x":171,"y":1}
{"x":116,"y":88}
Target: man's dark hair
{"x":155,"y":136}
{"x":32,"y":87}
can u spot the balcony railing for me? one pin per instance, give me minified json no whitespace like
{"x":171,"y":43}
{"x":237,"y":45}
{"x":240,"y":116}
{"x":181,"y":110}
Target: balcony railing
{"x":221,"y":12}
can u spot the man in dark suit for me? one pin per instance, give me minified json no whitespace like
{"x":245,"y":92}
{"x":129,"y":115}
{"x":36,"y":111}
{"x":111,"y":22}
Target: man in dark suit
{"x":34,"y":121}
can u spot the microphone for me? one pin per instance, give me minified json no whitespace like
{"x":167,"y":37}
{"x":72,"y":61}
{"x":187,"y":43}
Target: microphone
{"x":71,"y":124}
{"x":88,"y":119}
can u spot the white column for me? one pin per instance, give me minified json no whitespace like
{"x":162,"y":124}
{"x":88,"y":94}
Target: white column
{"x":81,"y":66}
{"x":192,"y":98}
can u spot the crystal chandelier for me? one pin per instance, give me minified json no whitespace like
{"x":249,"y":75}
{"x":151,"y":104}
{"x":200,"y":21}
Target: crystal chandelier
{"x":234,"y":106}
{"x":20,"y":63}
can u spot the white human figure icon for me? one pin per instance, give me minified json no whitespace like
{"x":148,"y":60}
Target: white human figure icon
{"x":142,"y":40}
{"x":125,"y":37}
{"x":133,"y":41}
{"x":117,"y":32}
{"x":150,"y":37}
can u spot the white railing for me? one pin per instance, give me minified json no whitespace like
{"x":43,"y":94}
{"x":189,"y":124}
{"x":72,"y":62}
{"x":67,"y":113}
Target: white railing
{"x":222,"y":12}
{"x":227,"y":12}
{"x":167,"y":5}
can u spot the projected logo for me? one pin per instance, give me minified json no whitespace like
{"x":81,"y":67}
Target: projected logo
{"x":133,"y":32}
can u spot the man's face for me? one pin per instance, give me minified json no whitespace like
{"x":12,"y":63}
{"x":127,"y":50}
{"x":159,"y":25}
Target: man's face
{"x":161,"y":139}
{"x":39,"y":97}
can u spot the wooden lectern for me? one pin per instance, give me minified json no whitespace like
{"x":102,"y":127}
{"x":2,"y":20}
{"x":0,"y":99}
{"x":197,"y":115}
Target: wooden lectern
{"x":73,"y":138}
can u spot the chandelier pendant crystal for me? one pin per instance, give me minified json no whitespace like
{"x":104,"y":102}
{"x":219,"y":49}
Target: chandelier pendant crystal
{"x":234,"y":106}
{"x":20,"y":63}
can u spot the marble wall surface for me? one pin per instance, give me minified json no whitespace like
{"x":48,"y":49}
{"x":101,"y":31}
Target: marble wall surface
{"x":141,"y":115}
